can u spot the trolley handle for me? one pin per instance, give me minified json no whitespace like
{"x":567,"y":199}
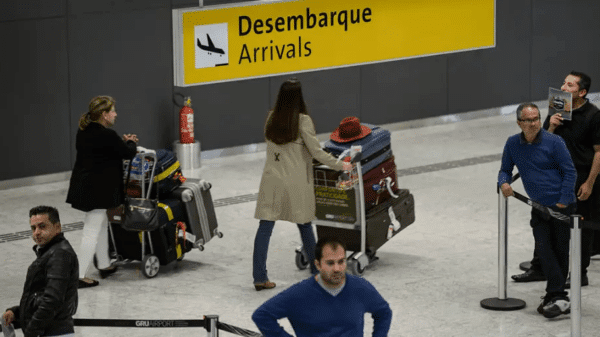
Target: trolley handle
{"x":354,"y":152}
{"x":356,"y":157}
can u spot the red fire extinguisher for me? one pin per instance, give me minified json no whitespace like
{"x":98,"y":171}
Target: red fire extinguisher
{"x":186,"y":122}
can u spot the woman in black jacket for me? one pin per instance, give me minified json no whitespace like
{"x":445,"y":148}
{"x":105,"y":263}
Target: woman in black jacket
{"x":97,"y":181}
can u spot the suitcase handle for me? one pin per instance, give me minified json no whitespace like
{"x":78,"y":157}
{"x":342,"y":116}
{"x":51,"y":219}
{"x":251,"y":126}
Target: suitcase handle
{"x":388,"y":186}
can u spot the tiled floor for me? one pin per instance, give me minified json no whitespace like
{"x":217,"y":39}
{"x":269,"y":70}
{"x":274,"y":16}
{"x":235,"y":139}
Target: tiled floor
{"x":434,"y":274}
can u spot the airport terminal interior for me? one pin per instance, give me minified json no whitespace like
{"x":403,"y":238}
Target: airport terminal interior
{"x":434,"y":274}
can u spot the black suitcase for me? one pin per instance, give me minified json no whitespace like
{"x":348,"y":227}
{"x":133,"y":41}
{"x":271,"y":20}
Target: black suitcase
{"x":200,"y":212}
{"x":384,"y":221}
{"x":128,"y":244}
{"x":168,"y":245}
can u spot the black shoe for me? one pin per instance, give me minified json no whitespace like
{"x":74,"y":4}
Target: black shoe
{"x":545,"y":301}
{"x":529,"y":276}
{"x":557,"y":306}
{"x":584,"y":281}
{"x":105,"y":272}
{"x":87,"y":283}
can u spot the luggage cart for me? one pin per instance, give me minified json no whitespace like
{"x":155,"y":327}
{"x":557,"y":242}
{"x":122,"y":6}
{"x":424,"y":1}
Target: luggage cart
{"x":340,"y":203}
{"x":130,"y":238}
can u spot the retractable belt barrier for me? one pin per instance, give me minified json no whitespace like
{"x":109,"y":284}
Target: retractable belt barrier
{"x":557,"y":215}
{"x":575,"y":222}
{"x":210,"y":323}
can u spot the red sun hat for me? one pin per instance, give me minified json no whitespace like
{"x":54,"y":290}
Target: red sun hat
{"x":349,"y":130}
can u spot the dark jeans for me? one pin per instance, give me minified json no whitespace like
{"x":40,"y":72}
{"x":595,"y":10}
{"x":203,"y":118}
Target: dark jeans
{"x":589,"y":210}
{"x":261,"y":248}
{"x":552,"y":246}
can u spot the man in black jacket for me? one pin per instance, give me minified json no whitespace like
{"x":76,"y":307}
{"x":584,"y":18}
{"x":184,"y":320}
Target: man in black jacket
{"x":49,"y":298}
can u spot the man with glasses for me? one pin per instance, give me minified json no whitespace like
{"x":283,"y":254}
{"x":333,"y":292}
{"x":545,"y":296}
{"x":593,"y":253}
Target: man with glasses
{"x":582,"y":136}
{"x":548,"y":175}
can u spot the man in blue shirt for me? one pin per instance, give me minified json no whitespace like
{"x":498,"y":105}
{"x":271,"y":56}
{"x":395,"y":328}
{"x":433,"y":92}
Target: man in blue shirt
{"x":330,"y":304}
{"x":549,"y":176}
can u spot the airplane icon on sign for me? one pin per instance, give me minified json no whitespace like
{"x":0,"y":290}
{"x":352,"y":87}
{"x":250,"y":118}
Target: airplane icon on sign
{"x":210,"y":47}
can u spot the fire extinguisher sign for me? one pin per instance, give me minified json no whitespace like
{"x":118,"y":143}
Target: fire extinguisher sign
{"x":211,"y":45}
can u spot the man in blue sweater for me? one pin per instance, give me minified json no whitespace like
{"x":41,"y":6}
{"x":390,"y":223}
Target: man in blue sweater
{"x":549,"y":176}
{"x":330,"y":304}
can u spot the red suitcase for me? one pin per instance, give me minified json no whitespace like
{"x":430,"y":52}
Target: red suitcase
{"x":380,"y":183}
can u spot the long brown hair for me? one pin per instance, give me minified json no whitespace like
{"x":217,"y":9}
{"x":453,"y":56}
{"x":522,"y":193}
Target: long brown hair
{"x":97,"y":106}
{"x":282,"y":124}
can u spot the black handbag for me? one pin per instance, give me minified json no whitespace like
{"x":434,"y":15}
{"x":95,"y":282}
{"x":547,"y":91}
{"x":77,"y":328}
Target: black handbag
{"x":140,"y":214}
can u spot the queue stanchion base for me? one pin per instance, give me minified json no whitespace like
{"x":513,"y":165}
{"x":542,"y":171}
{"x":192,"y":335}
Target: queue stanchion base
{"x":508,"y":304}
{"x":525,"y":266}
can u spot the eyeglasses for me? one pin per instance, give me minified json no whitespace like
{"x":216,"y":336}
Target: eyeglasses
{"x":530,"y":121}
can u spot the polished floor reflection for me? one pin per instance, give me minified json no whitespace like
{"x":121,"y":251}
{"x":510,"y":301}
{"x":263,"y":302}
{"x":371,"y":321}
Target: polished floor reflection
{"x":434,"y":274}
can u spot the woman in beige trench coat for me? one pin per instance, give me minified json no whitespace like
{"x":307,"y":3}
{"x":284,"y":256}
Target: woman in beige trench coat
{"x":286,"y":188}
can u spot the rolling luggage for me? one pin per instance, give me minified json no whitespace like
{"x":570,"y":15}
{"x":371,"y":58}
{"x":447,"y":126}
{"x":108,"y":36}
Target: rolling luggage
{"x":174,"y":218}
{"x":377,"y":186}
{"x":201,"y":222}
{"x":158,"y":243}
{"x":376,"y":147}
{"x":166,"y":244}
{"x":384,"y":221}
{"x":381,"y":183}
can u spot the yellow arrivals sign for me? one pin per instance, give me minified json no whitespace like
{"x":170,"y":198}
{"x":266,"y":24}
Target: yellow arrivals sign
{"x":250,"y":40}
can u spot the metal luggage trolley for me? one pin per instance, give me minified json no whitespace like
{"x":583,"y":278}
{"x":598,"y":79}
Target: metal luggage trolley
{"x":340,"y":203}
{"x":150,"y":262}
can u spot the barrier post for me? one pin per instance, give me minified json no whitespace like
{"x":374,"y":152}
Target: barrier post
{"x":575,"y":276}
{"x":502,"y":302}
{"x":502,"y":245}
{"x":212,"y":329}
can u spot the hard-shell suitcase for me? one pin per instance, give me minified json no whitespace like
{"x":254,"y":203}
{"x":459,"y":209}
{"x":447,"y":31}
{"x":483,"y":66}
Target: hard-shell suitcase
{"x":201,"y":222}
{"x":376,"y":147}
{"x":381,"y":183}
{"x":384,"y":221}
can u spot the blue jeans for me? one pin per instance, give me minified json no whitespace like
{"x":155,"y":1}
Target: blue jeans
{"x":261,"y":247}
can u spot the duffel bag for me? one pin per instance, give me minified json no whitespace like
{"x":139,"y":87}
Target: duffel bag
{"x":167,"y":172}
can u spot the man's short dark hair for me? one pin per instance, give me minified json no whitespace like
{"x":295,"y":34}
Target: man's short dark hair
{"x":51,"y":211}
{"x":522,"y":106}
{"x":327,"y":241}
{"x":584,"y":81}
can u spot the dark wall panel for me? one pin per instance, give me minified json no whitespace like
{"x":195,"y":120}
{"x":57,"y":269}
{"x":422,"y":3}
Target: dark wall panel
{"x":228,"y":114}
{"x":34,"y":98}
{"x":11,"y":10}
{"x":77,"y":7}
{"x":195,"y":3}
{"x":329,"y":95}
{"x":64,"y":52}
{"x":499,"y":76}
{"x":560,"y":45}
{"x":404,"y":90}
{"x":127,"y":55}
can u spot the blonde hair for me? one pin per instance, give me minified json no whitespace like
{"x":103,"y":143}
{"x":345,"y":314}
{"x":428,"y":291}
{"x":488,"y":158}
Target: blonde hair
{"x":97,"y":106}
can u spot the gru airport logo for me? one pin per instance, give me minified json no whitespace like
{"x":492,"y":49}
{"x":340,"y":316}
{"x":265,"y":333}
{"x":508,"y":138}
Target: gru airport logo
{"x":211,"y":45}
